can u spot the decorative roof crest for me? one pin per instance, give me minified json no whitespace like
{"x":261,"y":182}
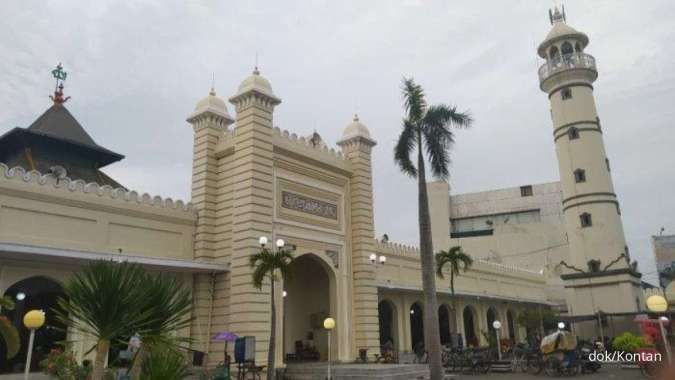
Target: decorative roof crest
{"x":60,"y":76}
{"x":556,"y":15}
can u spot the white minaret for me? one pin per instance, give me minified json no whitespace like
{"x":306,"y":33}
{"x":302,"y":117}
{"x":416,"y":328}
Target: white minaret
{"x":590,"y":205}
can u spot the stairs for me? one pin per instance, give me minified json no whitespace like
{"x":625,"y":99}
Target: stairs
{"x":318,"y":371}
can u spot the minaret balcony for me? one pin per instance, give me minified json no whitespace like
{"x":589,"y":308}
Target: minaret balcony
{"x":567,"y":62}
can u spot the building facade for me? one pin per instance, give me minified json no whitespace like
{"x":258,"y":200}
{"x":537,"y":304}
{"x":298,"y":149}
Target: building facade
{"x":252,"y":179}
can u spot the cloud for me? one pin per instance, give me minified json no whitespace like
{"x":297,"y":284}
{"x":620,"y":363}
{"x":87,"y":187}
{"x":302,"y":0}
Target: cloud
{"x":137,"y":68}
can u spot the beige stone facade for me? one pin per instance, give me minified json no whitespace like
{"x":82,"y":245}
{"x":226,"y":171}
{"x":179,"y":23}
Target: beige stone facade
{"x":251,"y":179}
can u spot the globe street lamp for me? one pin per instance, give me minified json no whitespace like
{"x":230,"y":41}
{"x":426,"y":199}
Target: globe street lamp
{"x":498,"y":325}
{"x":329,"y":324}
{"x":561,"y":325}
{"x":658,"y":304}
{"x":33,"y":320}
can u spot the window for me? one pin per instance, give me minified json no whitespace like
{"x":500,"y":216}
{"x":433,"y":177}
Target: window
{"x":567,"y":49}
{"x":627,"y":253}
{"x":566,"y":93}
{"x":526,"y":191}
{"x":597,"y":120}
{"x":573,"y":133}
{"x":577,"y":47}
{"x":553,"y":53}
{"x":481,"y":225}
{"x":579,"y":175}
{"x":607,"y":163}
{"x":586,"y":220}
{"x":618,"y":209}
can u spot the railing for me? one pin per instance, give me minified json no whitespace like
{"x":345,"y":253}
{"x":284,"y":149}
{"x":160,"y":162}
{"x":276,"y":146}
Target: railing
{"x":566,"y":62}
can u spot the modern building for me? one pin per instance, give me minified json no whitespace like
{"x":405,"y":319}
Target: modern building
{"x":252,"y":179}
{"x":520,"y":226}
{"x":570,"y":231}
{"x":664,"y":251}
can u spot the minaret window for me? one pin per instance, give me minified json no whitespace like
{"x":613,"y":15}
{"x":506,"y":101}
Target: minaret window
{"x":526,"y":191}
{"x":618,"y":209}
{"x":579,"y":175}
{"x":607,"y":163}
{"x":573,"y":133}
{"x":567,"y":50}
{"x":586,"y":220}
{"x":553,"y":53}
{"x":566,"y":93}
{"x":577,"y":47}
{"x":597,"y":120}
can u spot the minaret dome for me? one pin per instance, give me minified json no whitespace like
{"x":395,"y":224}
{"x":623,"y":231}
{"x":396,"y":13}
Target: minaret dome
{"x":211,"y":105}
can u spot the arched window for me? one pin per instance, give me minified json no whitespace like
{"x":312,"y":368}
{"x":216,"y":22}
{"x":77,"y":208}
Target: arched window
{"x":579,"y":175}
{"x":553,"y":53}
{"x":573,"y":133}
{"x":577,"y":47}
{"x":586,"y":220}
{"x":567,"y":49}
{"x":470,"y":332}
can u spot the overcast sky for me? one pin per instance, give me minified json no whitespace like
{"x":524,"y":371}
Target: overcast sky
{"x":136,"y":69}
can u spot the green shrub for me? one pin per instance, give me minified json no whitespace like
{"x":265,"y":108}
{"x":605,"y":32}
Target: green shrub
{"x":628,"y":342}
{"x":165,"y":363}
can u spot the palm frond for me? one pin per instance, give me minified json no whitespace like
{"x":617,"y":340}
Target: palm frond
{"x":103,"y":299}
{"x":405,"y":146}
{"x":413,"y":99}
{"x":439,"y":138}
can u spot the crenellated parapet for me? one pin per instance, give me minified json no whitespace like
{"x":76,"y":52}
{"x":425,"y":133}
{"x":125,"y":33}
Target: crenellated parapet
{"x":19,"y":174}
{"x":410,"y":251}
{"x":306,"y":143}
{"x":398,"y":249}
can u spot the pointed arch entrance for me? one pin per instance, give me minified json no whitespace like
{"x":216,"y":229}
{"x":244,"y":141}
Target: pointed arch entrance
{"x":470,"y":327}
{"x":309,"y":299}
{"x":34,"y":293}
{"x":416,"y":325}
{"x":388,"y":327}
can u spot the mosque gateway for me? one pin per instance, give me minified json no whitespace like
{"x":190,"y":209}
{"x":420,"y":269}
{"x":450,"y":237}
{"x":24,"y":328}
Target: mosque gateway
{"x":58,"y":211}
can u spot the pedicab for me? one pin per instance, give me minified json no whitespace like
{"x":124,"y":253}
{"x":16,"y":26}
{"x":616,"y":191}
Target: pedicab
{"x":560,"y":353}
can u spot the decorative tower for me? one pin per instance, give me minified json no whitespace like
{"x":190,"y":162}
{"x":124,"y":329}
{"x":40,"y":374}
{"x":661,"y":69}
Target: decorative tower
{"x":210,"y":120}
{"x":599,"y":277}
{"x":357,"y":145}
{"x":251,"y":176}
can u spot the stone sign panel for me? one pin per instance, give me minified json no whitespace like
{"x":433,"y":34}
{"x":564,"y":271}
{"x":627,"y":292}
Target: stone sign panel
{"x":308,"y":205}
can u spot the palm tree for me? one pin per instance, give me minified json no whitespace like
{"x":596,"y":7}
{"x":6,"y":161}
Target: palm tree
{"x":8,"y":332}
{"x":427,"y":128}
{"x":265,"y":264}
{"x":167,"y":310}
{"x":102,"y":301}
{"x":457,"y":259}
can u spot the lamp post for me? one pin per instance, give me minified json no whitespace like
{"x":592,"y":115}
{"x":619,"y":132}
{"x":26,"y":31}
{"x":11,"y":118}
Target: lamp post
{"x":498,"y":325}
{"x":561,"y":326}
{"x":329,"y":324}
{"x":658,"y":304}
{"x":33,"y":320}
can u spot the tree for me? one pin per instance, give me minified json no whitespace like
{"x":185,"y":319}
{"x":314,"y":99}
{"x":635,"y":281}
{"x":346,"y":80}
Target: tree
{"x":265,"y":264}
{"x":457,"y":260}
{"x":103,"y":301}
{"x":427,"y":128}
{"x":9,"y":333}
{"x":167,"y":310}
